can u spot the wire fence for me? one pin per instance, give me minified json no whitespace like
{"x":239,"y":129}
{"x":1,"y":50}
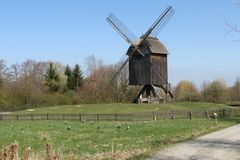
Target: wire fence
{"x":233,"y":113}
{"x":177,"y":114}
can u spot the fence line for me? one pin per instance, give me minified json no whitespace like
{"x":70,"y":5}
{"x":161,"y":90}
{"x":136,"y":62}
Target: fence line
{"x":187,"y":114}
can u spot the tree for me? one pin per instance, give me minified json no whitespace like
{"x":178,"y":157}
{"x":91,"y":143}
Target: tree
{"x":233,"y":27}
{"x":15,"y":95}
{"x":24,"y":84}
{"x":92,"y":64}
{"x":74,"y":77}
{"x":204,"y":91}
{"x":235,"y":91}
{"x":77,"y":77}
{"x":216,"y":91}
{"x":69,"y":74}
{"x":52,"y":79}
{"x":14,"y":73}
{"x":121,"y":83}
{"x":3,"y":70}
{"x":186,"y":91}
{"x":30,"y":82}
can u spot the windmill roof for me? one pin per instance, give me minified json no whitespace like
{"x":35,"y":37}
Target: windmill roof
{"x":154,"y":46}
{"x":157,"y":46}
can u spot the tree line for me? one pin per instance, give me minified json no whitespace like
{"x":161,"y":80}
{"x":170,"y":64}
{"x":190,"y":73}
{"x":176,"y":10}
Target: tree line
{"x":214,"y":92}
{"x":35,"y":84}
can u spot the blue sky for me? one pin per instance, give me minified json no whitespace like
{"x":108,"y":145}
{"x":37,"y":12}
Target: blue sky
{"x":68,"y":31}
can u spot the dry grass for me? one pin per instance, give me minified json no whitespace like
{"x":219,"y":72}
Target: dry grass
{"x":11,"y":153}
{"x":116,"y":155}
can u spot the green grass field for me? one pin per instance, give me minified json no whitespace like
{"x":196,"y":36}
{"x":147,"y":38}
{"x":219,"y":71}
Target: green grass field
{"x":122,"y":108}
{"x":102,"y":140}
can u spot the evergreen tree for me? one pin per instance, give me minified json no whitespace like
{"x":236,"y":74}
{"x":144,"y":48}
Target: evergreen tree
{"x":68,"y":72}
{"x":77,"y":77}
{"x":52,"y":79}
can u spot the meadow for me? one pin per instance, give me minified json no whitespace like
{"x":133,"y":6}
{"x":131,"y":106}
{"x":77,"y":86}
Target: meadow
{"x":106,"y":140}
{"x":102,"y":140}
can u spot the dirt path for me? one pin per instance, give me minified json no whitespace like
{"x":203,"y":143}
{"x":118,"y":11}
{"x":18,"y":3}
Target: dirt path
{"x":220,"y":145}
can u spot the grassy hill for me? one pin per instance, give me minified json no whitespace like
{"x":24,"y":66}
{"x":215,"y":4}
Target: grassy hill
{"x":122,"y":108}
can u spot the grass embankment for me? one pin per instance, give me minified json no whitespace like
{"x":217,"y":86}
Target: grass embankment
{"x":102,"y":140}
{"x":121,"y":108}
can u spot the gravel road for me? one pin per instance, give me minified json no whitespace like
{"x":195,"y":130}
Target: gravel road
{"x":220,"y":145}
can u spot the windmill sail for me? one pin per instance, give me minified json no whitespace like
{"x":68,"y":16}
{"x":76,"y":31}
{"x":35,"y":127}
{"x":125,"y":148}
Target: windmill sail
{"x":124,"y":32}
{"x":121,"y":29}
{"x":162,"y":21}
{"x":118,"y":71}
{"x":159,"y":23}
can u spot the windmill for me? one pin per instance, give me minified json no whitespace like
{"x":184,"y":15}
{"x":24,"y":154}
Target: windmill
{"x":147,"y":58}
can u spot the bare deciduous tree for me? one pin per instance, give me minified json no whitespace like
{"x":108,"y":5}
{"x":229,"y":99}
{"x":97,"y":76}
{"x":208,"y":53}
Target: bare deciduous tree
{"x":204,"y":91}
{"x":3,"y":70}
{"x":235,"y":91}
{"x":233,"y":27}
{"x":29,"y":79}
{"x":92,"y":64}
{"x":121,"y":83}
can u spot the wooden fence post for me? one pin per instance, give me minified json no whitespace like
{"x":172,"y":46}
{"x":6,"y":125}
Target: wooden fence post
{"x":17,"y":117}
{"x":207,"y":114}
{"x":47,"y":116}
{"x":32,"y":117}
{"x":172,"y":115}
{"x":1,"y":117}
{"x":116,"y":118}
{"x":72,"y":117}
{"x":154,"y":117}
{"x":190,"y":114}
{"x":80,"y":117}
{"x":97,"y":117}
{"x":224,"y":113}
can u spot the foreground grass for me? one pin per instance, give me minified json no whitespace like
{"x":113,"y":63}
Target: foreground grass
{"x":122,"y":108}
{"x":102,"y":140}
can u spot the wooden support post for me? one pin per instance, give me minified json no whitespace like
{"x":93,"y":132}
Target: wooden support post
{"x":17,"y":117}
{"x":116,"y":117}
{"x":32,"y":117}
